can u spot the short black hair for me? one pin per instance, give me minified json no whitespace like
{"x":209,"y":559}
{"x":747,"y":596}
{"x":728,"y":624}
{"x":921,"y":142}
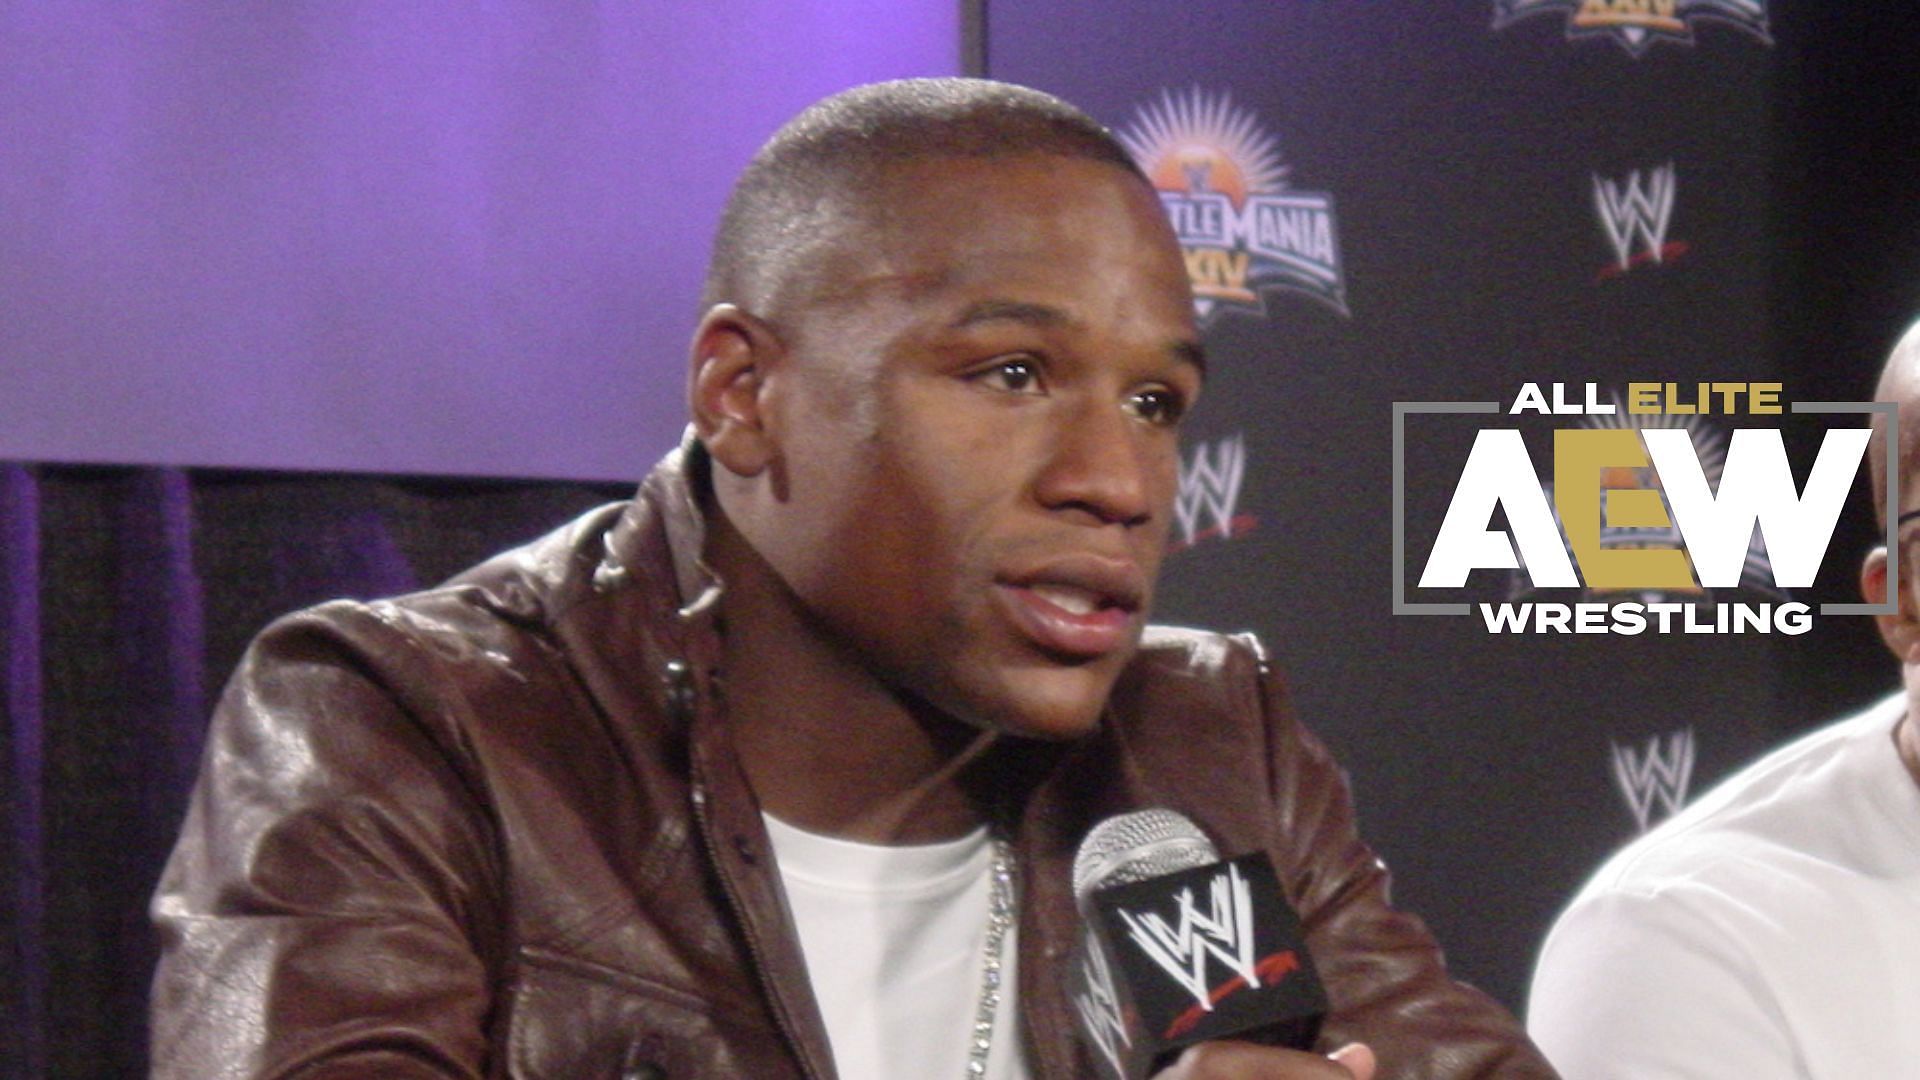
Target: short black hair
{"x":843,"y":142}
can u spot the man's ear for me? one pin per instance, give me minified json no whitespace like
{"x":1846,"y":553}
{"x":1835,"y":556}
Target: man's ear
{"x":732,"y":353}
{"x":1901,"y":630}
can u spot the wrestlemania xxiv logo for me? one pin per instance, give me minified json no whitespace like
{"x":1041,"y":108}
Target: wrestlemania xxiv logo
{"x":1244,"y":230}
{"x":1638,"y":24}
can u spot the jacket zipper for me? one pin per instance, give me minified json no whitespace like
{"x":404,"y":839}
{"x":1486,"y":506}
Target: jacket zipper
{"x":787,"y":1026}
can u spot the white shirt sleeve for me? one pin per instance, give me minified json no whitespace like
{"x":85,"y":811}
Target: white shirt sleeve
{"x":1648,"y":987}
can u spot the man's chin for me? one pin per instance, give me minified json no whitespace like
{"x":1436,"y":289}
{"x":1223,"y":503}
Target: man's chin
{"x":1052,"y":705}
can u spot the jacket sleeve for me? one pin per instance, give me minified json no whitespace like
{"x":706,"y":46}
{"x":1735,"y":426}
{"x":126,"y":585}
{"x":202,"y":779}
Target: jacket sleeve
{"x":322,"y":914}
{"x":1386,"y":980}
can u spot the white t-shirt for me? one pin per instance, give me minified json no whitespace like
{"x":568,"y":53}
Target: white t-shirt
{"x":1772,"y":929}
{"x":895,"y":941}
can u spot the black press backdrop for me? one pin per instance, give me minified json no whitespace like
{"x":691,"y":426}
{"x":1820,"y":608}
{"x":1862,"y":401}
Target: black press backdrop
{"x":1456,"y":166}
{"x":1446,"y":169}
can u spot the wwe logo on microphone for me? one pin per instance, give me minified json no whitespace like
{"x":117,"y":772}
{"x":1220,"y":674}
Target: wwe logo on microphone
{"x":1661,"y":771}
{"x":1224,"y":932}
{"x":1099,"y":1008}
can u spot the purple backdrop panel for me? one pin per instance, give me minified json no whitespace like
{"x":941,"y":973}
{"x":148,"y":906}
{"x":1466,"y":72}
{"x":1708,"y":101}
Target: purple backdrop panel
{"x":442,"y":238}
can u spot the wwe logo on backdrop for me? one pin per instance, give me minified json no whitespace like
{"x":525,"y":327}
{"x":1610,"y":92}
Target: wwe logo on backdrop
{"x":1099,"y":1007}
{"x":1636,"y":207}
{"x":1660,"y":770}
{"x":1210,"y":489}
{"x":1224,"y":932}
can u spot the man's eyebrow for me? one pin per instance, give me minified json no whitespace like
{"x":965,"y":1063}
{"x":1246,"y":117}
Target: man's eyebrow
{"x":1041,"y":315}
{"x":1011,"y":311}
{"x":1192,"y":353}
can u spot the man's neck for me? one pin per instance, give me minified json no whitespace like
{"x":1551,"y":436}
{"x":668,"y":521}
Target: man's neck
{"x":826,"y":745}
{"x":1906,"y":739}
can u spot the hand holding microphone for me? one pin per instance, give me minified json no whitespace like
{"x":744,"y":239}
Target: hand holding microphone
{"x":1249,"y":1061}
{"x":1181,"y":949}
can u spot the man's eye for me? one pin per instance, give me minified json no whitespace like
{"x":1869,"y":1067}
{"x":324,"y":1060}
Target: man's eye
{"x":1013,"y":376}
{"x":1159,"y":406}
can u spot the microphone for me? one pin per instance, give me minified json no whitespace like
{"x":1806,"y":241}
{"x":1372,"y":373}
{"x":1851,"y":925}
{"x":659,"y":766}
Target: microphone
{"x":1179,"y":947}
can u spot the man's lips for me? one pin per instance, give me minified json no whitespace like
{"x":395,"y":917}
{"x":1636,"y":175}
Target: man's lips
{"x":1078,"y":606}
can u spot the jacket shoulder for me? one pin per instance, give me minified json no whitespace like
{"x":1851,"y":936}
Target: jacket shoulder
{"x":518,"y":589}
{"x":484,"y":645}
{"x":1193,"y":696}
{"x":1191,"y":673}
{"x":1201,"y":653}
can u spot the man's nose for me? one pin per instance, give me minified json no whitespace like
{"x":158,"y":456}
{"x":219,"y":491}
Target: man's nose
{"x":1103,"y":465}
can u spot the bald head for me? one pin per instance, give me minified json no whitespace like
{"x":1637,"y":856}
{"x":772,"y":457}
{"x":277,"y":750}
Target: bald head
{"x":1900,"y":384}
{"x":823,"y":171}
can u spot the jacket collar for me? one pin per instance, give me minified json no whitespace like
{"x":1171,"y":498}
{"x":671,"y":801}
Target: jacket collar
{"x":667,"y":508}
{"x":1057,"y":791}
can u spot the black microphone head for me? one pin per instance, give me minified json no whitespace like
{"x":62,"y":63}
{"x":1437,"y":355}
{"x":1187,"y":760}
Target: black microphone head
{"x":1138,"y":846}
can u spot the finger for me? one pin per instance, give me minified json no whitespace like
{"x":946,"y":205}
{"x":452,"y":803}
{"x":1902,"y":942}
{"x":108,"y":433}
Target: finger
{"x":1227,"y":1060}
{"x":1356,"y":1058}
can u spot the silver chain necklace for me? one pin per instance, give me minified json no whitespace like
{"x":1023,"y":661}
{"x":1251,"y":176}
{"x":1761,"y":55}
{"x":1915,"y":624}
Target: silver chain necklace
{"x":999,"y":919}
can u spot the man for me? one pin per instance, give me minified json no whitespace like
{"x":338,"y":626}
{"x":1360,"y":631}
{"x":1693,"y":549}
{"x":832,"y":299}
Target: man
{"x":1771,"y":929}
{"x":780,"y":770}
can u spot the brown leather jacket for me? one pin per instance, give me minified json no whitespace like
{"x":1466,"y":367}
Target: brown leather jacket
{"x":495,"y":829}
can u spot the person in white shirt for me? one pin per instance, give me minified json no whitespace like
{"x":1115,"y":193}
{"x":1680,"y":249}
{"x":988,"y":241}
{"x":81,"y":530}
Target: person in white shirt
{"x":1772,"y":928}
